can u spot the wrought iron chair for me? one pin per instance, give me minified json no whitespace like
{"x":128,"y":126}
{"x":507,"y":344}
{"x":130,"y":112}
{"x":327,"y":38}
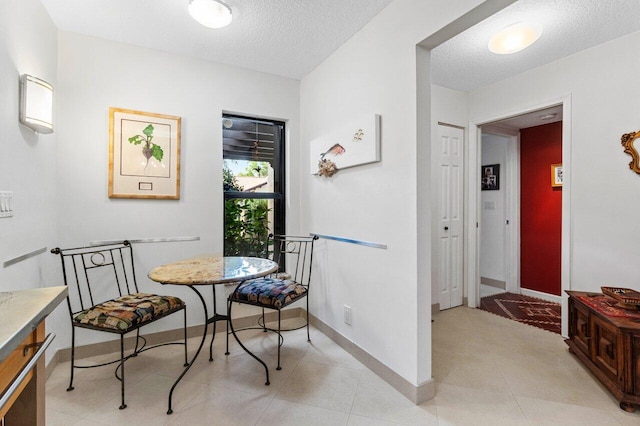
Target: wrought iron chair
{"x":104,"y":296}
{"x":289,"y":284}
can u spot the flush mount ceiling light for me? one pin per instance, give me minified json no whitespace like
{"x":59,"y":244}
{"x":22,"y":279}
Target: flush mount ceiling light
{"x":210,"y":13}
{"x":515,"y":38}
{"x":548,"y":116}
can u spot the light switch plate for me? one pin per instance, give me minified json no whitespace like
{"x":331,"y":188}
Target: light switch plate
{"x":6,"y":201}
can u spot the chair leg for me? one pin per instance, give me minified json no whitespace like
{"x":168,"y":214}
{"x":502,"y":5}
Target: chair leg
{"x":264,"y":323}
{"x":135,"y":350}
{"x":186,"y":362}
{"x":228,"y":320}
{"x":73,"y":356}
{"x":213,"y":336}
{"x":308,"y":336}
{"x":280,"y":341}
{"x":123,"y":405}
{"x":213,"y":333}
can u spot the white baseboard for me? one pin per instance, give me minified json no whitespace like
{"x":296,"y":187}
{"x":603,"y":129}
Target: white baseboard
{"x":416,"y":394}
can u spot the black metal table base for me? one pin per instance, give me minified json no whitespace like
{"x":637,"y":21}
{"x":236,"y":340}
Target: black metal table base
{"x":214,"y":319}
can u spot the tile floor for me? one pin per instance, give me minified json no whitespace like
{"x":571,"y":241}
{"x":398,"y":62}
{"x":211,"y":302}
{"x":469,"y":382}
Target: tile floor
{"x":488,"y":371}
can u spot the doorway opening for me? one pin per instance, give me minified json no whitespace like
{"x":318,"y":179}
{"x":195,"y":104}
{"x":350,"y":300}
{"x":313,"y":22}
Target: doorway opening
{"x":522,"y":239}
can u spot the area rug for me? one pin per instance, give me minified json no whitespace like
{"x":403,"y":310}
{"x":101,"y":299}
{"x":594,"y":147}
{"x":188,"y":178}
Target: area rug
{"x":527,"y":310}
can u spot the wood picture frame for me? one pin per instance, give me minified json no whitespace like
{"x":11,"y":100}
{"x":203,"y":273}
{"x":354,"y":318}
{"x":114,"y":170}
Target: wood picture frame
{"x":556,"y":175}
{"x":144,"y":155}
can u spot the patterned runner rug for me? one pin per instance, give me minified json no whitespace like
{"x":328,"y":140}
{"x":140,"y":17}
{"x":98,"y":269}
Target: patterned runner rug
{"x":528,"y":310}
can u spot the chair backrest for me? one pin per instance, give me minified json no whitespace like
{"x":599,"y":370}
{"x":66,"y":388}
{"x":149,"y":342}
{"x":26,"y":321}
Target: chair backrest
{"x":294,"y":255}
{"x":96,"y":274}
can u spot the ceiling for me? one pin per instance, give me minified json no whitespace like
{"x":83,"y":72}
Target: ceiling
{"x":569,"y":26}
{"x":281,"y":37}
{"x":291,"y":37}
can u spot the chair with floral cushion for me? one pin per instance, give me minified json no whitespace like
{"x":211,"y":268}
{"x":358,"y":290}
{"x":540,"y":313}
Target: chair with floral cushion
{"x":294,"y":256}
{"x":103,"y":296}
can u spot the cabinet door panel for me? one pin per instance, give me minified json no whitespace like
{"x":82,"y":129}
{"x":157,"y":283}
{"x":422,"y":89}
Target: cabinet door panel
{"x":581,"y":334}
{"x":635,"y":363}
{"x":607,"y":343}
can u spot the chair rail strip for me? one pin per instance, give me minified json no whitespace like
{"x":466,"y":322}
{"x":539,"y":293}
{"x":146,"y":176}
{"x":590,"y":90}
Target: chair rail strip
{"x":350,"y":241}
{"x":23,"y":257}
{"x":147,"y":240}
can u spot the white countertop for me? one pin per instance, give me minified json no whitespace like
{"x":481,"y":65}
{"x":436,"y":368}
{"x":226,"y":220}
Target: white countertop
{"x":21,"y":311}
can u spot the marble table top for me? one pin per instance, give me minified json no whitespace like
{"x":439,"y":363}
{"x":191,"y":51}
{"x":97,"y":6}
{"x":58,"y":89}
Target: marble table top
{"x":207,"y":270}
{"x":21,"y":311}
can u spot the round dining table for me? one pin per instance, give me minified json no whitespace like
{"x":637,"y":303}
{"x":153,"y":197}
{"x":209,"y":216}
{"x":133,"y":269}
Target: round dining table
{"x":211,"y":271}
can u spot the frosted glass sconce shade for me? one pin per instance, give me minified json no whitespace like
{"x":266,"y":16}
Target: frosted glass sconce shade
{"x":36,"y":104}
{"x":210,"y":13}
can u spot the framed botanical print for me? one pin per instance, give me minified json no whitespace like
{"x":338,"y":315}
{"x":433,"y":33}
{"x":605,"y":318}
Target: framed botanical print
{"x":144,"y":155}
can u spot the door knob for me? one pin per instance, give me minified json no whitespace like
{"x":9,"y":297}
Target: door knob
{"x":446,"y":228}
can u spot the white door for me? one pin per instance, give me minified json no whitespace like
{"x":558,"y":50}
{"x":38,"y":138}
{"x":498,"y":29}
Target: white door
{"x":450,"y":217}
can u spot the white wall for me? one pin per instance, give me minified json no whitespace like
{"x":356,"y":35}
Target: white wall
{"x":27,"y":160}
{"x":27,"y":163}
{"x":604,"y":89}
{"x":388,"y":290}
{"x":94,"y":75}
{"x":492,"y":205}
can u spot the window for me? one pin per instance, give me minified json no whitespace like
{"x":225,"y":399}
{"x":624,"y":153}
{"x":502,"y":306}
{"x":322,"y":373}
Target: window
{"x":254,"y":183}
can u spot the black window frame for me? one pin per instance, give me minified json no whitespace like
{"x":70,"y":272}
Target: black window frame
{"x":278,"y":165}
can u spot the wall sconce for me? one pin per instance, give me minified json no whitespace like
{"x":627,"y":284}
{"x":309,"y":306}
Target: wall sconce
{"x":36,"y":104}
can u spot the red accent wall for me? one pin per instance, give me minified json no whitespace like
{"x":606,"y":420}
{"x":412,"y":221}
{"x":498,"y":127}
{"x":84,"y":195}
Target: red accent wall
{"x":540,"y":208}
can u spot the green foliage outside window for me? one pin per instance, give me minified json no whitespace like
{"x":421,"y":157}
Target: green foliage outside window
{"x":246,"y":222}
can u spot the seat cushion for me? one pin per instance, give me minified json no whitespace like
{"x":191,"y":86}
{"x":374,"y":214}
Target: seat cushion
{"x":127,"y":312}
{"x":269,"y":292}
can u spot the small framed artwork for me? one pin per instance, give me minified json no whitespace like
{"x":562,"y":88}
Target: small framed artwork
{"x":556,"y":175}
{"x":491,"y":177}
{"x":144,"y":155}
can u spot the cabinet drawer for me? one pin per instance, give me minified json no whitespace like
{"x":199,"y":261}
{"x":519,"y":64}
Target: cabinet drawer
{"x":607,"y":342}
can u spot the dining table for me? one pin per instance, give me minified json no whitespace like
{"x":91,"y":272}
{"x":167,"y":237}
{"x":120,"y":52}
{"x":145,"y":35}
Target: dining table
{"x":212,"y":271}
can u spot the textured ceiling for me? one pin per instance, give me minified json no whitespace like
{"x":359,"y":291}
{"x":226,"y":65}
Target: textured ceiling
{"x":282,"y":37}
{"x":570,"y":26}
{"x":291,"y":37}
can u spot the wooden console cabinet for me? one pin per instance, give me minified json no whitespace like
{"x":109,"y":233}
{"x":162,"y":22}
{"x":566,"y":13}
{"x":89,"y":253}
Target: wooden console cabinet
{"x":609,"y":346}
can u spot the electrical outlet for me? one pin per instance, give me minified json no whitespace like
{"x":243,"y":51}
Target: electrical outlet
{"x":347,"y":314}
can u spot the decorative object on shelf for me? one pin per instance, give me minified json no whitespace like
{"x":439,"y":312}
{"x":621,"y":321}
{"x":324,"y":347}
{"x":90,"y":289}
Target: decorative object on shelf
{"x":556,"y":175}
{"x":351,"y":145}
{"x":627,"y":142}
{"x":490,"y":177}
{"x":327,"y":167}
{"x":627,"y":298}
{"x":36,"y":104}
{"x":144,"y":155}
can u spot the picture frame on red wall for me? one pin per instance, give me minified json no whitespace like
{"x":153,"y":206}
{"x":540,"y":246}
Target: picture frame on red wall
{"x":556,"y":175}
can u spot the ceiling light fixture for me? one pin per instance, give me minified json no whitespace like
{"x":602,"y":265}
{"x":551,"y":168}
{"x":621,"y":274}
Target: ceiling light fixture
{"x":515,"y":38}
{"x":548,"y":116}
{"x":210,"y":13}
